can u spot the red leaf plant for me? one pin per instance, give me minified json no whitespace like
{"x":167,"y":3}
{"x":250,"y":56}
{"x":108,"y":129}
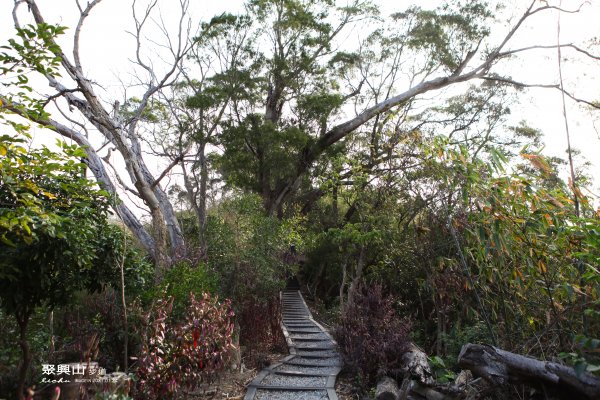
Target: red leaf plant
{"x":182,"y":354}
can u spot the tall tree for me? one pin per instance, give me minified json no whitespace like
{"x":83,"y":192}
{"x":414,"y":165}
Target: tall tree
{"x":312,"y":81}
{"x":291,"y":96}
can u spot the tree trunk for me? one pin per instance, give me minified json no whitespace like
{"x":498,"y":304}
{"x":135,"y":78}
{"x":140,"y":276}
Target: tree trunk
{"x":124,"y":305}
{"x":51,"y":329}
{"x":23,"y":321}
{"x":501,"y":367}
{"x":357,"y":275}
{"x":202,"y":194}
{"x":124,"y":137}
{"x":334,"y":203}
{"x":343,"y":285}
{"x":159,"y":229}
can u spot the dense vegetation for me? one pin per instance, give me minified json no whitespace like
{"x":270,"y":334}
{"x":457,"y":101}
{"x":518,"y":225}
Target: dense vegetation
{"x":415,"y":216}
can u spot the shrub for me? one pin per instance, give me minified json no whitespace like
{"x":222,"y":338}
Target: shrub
{"x":181,"y":280}
{"x":54,"y":234}
{"x":260,"y":328}
{"x":245,"y":250}
{"x":179,"y":355}
{"x":371,"y":335}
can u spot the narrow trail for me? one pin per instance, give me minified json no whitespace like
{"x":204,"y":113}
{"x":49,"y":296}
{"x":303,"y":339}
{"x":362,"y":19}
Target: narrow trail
{"x":310,"y":371}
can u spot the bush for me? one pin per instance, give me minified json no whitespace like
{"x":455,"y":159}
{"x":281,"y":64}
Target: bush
{"x":181,"y":280}
{"x":245,"y":250}
{"x":183,"y":354}
{"x":260,"y":323}
{"x":371,"y":335}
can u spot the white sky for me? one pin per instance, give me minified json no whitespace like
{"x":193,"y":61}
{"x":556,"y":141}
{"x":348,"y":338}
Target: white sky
{"x":106,"y":48}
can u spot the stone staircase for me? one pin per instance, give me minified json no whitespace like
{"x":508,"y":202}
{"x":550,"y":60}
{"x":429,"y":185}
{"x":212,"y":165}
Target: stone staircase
{"x":310,"y":371}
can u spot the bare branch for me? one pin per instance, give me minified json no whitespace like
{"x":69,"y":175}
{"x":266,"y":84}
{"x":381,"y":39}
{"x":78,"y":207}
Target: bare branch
{"x":556,"y":86}
{"x":37,"y":16}
{"x":549,"y":7}
{"x":65,"y":116}
{"x":173,"y":163}
{"x":84,"y":14}
{"x":128,"y":188}
{"x":60,"y":93}
{"x":568,"y":45}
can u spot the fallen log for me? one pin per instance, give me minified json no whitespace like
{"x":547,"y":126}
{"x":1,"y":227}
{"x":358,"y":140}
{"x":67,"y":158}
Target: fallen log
{"x":416,"y":366}
{"x":387,"y":389}
{"x":501,"y":367}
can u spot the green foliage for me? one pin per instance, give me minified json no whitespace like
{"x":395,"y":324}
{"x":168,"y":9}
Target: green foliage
{"x":440,"y":370}
{"x":154,"y":112}
{"x":115,"y":246}
{"x":10,"y":355}
{"x":526,"y":249}
{"x":245,"y":250}
{"x":33,"y":50}
{"x":585,"y":358}
{"x":55,"y":235}
{"x":52,"y":223}
{"x":181,"y":280}
{"x":262,"y":152}
{"x":260,"y":168}
{"x":448,"y":33}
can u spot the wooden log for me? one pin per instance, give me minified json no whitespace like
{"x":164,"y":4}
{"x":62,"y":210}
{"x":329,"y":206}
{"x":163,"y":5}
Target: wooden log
{"x":430,"y":393}
{"x":415,"y":365}
{"x":387,"y":389}
{"x":501,"y":367}
{"x":405,"y":388}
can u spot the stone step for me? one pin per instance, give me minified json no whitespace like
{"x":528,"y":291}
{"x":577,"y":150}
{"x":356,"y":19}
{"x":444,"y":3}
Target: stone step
{"x":309,"y":373}
{"x":314,"y":346}
{"x":280,"y":380}
{"x":299,"y":394}
{"x":297,"y":338}
{"x":315,"y":362}
{"x":305,"y":369}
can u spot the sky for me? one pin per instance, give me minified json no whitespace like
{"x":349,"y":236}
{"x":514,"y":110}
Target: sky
{"x":107,"y":47}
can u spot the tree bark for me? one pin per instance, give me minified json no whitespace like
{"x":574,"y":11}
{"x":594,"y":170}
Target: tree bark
{"x":197,"y":196}
{"x":23,"y":321}
{"x":343,"y":284}
{"x":415,"y":365}
{"x":501,"y":367}
{"x":358,"y":275}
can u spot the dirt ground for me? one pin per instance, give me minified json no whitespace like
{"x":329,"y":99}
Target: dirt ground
{"x":232,"y":384}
